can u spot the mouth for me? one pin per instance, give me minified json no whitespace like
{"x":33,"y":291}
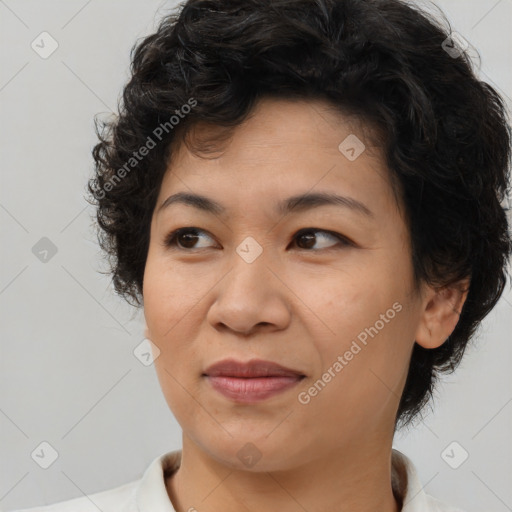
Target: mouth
{"x":252,"y":381}
{"x":250,"y":369}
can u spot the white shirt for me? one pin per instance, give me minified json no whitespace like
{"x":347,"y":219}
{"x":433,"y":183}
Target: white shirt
{"x":149,"y":494}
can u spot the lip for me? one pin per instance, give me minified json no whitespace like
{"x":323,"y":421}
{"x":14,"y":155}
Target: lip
{"x":250,"y":369}
{"x":251,"y":381}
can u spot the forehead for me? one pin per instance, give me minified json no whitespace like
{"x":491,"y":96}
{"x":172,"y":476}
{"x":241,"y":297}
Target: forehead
{"x":273,"y":121}
{"x":283,"y":148}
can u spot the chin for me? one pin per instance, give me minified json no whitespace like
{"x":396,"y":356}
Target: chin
{"x":257,"y":455}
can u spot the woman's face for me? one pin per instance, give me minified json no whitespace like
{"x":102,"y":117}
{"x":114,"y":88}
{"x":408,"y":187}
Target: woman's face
{"x":247,"y":286}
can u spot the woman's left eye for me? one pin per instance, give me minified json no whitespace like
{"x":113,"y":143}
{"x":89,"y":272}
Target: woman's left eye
{"x":185,"y":238}
{"x":309,"y":235}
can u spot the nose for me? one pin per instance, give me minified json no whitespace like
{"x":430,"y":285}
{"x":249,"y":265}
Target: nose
{"x":250,"y":298}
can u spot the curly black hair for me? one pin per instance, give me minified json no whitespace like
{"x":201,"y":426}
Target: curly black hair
{"x":444,"y":133}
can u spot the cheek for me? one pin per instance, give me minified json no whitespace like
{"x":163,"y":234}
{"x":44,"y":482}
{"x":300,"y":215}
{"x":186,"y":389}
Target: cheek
{"x":359,"y":382}
{"x":170,"y":294}
{"x":370,"y":328}
{"x":173,"y":323}
{"x":173,"y":313}
{"x":349,"y":303}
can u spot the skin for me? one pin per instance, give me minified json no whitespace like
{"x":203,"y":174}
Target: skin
{"x":298,"y":304}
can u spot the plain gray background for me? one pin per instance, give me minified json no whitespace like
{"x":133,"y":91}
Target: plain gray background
{"x":68,"y":374}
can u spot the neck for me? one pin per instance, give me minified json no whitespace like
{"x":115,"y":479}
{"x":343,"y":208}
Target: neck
{"x":358,"y":478}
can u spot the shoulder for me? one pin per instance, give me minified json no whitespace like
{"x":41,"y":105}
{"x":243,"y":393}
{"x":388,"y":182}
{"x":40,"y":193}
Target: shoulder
{"x":119,"y":499}
{"x":145,"y":494}
{"x":408,"y":487}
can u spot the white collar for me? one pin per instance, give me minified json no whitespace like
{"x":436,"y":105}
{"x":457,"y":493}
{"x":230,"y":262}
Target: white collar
{"x":151,"y":493}
{"x":413,"y":495}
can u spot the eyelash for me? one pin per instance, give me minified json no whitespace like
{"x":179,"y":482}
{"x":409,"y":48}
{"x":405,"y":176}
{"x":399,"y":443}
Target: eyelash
{"x":171,"y":238}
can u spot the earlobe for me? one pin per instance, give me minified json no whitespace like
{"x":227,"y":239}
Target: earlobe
{"x":441,"y":311}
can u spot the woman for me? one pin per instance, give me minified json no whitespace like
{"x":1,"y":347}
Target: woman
{"x":306,"y":199}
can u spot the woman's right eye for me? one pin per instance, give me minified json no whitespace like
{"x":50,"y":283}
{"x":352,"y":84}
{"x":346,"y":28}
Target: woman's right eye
{"x":184,"y":238}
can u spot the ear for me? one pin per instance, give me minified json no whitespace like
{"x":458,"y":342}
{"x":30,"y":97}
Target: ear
{"x":441,"y":308}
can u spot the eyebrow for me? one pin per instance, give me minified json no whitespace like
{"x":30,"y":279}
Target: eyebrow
{"x":297,"y":203}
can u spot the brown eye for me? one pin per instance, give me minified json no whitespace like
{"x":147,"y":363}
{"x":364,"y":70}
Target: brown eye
{"x":184,"y":238}
{"x":307,"y":238}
